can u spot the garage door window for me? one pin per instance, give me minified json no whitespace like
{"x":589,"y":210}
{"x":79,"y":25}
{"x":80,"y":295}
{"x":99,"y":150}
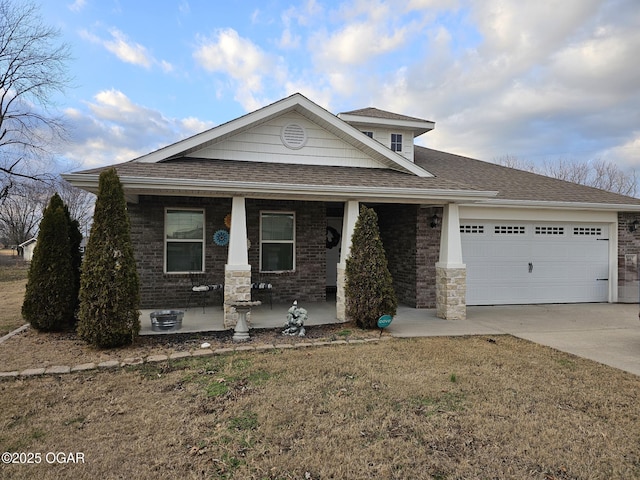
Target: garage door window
{"x":587,"y":231}
{"x":472,"y":229}
{"x":509,"y":230}
{"x":549,"y":230}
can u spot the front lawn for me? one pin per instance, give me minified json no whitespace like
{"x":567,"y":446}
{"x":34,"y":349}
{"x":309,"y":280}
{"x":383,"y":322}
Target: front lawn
{"x":444,"y":408}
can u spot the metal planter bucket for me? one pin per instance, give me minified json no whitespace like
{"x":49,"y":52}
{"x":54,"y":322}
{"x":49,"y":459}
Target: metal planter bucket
{"x":166,"y":320}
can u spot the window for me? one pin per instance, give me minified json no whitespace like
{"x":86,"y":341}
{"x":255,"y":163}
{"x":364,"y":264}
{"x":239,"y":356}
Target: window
{"x":508,"y":230}
{"x":277,"y":241}
{"x":396,"y":142}
{"x":471,"y":228}
{"x":587,"y":231}
{"x":368,"y":134}
{"x":184,"y":241}
{"x":549,"y":231}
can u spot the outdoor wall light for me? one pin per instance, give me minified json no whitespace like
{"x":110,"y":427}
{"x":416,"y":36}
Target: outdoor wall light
{"x":435,"y":221}
{"x":633,"y":226}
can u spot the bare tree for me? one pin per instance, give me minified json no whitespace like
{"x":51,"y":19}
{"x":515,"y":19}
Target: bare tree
{"x":608,"y":176}
{"x":23,"y":207}
{"x":568,"y":170}
{"x":599,"y":173}
{"x":33,"y":67}
{"x":512,"y":161}
{"x":21,"y":212}
{"x":80,"y":203}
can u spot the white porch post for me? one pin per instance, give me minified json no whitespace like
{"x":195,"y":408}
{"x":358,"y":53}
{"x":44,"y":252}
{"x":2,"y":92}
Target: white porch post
{"x":451,"y":273}
{"x":237,"y":271}
{"x":351,"y":212}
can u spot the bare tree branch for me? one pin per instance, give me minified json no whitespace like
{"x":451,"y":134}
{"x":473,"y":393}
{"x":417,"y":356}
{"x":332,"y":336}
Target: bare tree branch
{"x":598,"y":173}
{"x":33,"y":67}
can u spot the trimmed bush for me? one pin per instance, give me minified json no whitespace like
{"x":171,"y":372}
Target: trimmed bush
{"x":109,"y":313}
{"x":368,"y":285}
{"x":50,"y":298}
{"x":75,"y":240}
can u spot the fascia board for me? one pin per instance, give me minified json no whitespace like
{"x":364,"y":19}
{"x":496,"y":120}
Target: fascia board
{"x":140,"y":185}
{"x":356,"y":138}
{"x":221,"y":131}
{"x":297,"y":103}
{"x":415,"y":125}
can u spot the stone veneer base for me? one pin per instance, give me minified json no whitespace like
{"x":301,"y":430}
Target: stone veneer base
{"x":451,"y":291}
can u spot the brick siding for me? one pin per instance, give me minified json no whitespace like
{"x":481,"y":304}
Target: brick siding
{"x":160,"y":290}
{"x":412,"y":249}
{"x":628,"y":249}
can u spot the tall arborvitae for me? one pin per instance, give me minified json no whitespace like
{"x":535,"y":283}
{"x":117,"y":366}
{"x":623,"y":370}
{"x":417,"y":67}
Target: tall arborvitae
{"x":109,"y":313}
{"x":369,"y":286}
{"x":75,"y":241}
{"x":50,"y":298}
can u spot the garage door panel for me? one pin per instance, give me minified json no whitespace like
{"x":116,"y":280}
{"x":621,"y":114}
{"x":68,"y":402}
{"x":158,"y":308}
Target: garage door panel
{"x":566,"y":263}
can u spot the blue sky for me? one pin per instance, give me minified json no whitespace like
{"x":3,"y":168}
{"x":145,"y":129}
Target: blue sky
{"x":536,"y":80}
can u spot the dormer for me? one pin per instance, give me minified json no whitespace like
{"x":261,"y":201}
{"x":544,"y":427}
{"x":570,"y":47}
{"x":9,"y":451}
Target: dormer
{"x":394,"y":131}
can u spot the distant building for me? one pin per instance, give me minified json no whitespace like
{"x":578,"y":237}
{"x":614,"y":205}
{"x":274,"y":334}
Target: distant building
{"x":27,"y":248}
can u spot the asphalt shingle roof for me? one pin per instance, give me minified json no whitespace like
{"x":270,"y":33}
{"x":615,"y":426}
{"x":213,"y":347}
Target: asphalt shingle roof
{"x":281,"y":173}
{"x":377,"y":113}
{"x":452,"y":172}
{"x":512,"y":184}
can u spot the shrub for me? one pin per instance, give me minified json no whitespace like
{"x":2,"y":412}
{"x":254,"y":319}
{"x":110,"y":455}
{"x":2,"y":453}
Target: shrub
{"x":109,"y":313}
{"x":51,"y":297}
{"x":369,"y":286}
{"x":75,"y":241}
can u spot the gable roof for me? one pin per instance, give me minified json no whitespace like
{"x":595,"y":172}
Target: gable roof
{"x":518,"y":187}
{"x":295,"y":103}
{"x":28,"y":242}
{"x":435,"y":177}
{"x":210,"y":177}
{"x":374,"y":117}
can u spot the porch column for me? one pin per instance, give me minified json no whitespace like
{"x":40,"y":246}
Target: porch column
{"x":351,"y":212}
{"x":451,"y":273}
{"x":237,"y":271}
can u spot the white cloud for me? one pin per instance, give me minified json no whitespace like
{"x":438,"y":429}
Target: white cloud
{"x":77,"y":5}
{"x":242,"y":60}
{"x":127,"y":50}
{"x":536,"y":84}
{"x":115,"y":129}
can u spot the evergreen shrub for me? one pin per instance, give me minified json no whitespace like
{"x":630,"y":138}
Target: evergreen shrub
{"x":109,"y":313}
{"x":50,"y":297}
{"x":368,"y":285}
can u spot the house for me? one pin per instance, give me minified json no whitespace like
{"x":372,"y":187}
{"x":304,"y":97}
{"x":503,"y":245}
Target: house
{"x":273,"y":196}
{"x":27,"y":248}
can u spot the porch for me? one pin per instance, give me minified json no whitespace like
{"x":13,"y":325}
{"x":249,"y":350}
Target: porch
{"x":320,"y":313}
{"x":194,"y":320}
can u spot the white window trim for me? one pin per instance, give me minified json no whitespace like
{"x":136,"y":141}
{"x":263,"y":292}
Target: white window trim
{"x":278,"y":241}
{"x":400,"y":142}
{"x":189,"y":240}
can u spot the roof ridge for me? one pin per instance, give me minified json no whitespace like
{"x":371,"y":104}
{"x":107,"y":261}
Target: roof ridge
{"x":378,"y":113}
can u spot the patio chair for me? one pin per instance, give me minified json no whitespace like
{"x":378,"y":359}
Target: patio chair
{"x":262,"y":289}
{"x":218,"y":288}
{"x":199,"y":288}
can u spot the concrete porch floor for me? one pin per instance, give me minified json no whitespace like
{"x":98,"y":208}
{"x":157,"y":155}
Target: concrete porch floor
{"x":194,"y":320}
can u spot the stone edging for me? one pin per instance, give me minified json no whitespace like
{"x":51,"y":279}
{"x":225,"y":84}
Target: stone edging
{"x":15,"y":332}
{"x":203,"y":352}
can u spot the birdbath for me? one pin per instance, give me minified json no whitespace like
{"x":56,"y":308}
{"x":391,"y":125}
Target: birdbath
{"x":241,"y":330}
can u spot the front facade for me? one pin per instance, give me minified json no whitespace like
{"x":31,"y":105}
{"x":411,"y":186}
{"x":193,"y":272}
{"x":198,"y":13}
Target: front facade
{"x":273,"y":197}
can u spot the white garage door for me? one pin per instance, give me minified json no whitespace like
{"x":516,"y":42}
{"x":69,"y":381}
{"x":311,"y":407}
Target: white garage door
{"x":519,"y":263}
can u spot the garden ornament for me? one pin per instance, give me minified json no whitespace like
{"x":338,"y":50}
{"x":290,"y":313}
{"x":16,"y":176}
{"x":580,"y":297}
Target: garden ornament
{"x":296,"y":317}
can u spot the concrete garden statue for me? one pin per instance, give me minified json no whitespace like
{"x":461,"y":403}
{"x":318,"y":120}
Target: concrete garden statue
{"x":296,"y":317}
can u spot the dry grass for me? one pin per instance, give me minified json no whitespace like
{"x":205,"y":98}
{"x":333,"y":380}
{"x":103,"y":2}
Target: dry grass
{"x":441,"y":408}
{"x":426,"y":408}
{"x":13,"y":280}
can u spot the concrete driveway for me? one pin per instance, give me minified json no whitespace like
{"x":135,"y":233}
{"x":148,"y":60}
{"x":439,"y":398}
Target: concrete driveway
{"x":606,"y":333}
